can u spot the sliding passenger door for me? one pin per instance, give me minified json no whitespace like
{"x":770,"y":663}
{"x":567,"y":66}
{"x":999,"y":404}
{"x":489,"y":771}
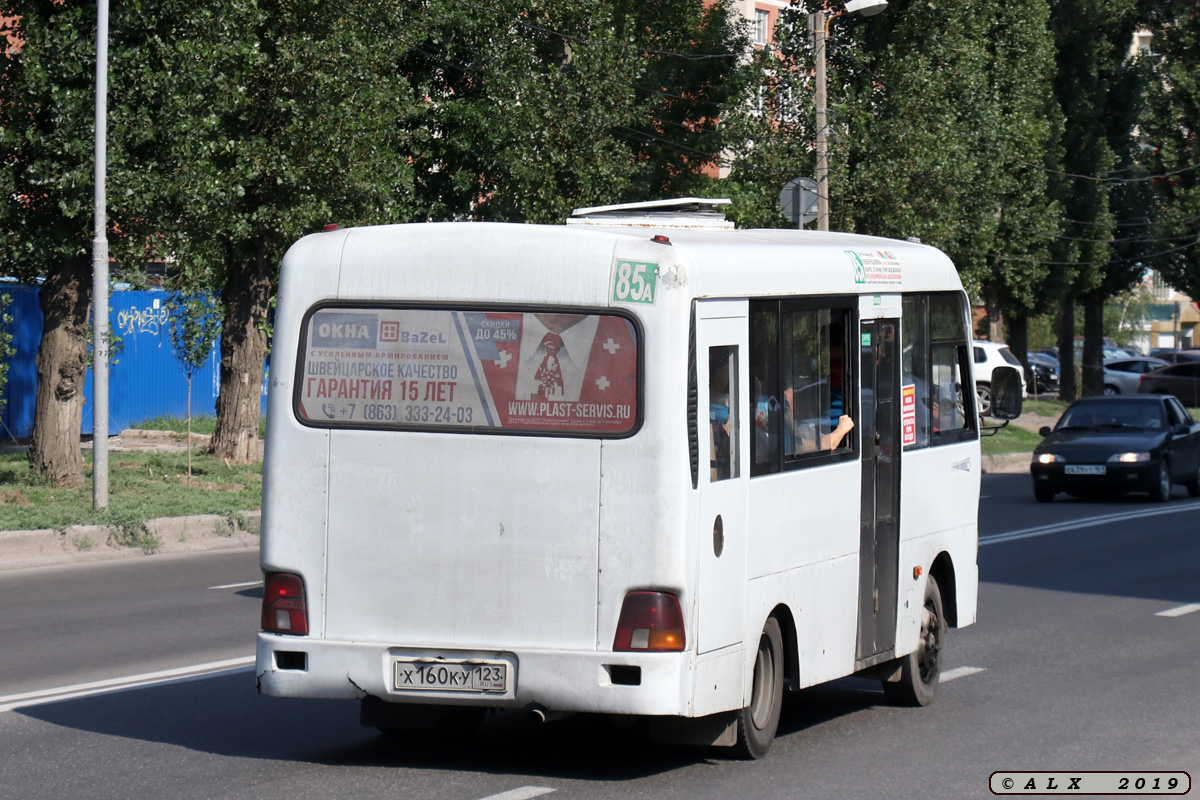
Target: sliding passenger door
{"x":879,"y":545}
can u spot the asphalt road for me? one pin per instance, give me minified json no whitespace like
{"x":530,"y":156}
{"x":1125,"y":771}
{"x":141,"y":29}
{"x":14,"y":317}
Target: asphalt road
{"x":1072,"y":665}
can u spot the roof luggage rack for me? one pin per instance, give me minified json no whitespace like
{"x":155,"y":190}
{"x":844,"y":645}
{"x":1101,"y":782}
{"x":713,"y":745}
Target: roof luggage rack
{"x":682,"y":212}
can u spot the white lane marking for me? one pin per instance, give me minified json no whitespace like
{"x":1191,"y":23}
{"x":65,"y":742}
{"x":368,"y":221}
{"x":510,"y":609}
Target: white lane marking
{"x":1086,"y":522}
{"x":958,"y":672}
{"x":237,"y":585}
{"x":523,"y":793}
{"x":192,"y":673}
{"x":1179,"y":611}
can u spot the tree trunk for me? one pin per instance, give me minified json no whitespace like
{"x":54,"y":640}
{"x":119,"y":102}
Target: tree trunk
{"x":1067,"y":388}
{"x":62,"y":363}
{"x":1018,"y":337}
{"x":1093,"y":344}
{"x":1018,"y":343}
{"x":995,"y":315}
{"x":246,"y":297}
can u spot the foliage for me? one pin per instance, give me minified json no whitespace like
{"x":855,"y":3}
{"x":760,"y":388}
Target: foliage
{"x":940,"y":130}
{"x":1171,"y":128}
{"x":536,"y":109}
{"x":195,"y":323}
{"x":143,"y":486}
{"x":6,"y":348}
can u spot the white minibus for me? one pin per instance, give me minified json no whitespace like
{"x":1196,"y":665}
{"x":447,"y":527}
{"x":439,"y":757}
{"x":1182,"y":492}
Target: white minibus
{"x":639,"y":464}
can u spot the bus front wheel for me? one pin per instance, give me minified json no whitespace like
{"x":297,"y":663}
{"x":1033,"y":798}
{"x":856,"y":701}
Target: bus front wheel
{"x":920,"y":669}
{"x":758,"y":721}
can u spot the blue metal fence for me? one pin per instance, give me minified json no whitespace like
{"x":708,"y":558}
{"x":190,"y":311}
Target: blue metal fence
{"x":144,"y":381}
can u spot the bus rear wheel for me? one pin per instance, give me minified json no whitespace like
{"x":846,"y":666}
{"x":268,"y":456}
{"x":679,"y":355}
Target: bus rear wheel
{"x":758,"y":721}
{"x":920,"y":669}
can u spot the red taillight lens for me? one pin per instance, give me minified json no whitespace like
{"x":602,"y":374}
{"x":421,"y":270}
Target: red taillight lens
{"x":650,"y":622}
{"x":283,"y":609}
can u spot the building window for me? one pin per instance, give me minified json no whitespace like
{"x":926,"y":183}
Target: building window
{"x":762,"y":26}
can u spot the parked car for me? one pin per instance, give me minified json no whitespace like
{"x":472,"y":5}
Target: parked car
{"x":1181,"y":380}
{"x":1176,"y":356}
{"x":988,"y":356}
{"x":1041,"y":374}
{"x":1121,"y":375}
{"x":1113,"y":445}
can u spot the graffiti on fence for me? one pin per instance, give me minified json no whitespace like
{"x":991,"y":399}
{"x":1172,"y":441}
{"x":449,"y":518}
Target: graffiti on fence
{"x":143,"y":320}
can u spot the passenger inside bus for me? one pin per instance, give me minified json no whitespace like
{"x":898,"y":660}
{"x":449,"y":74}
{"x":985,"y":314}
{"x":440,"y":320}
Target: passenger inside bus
{"x":813,"y":397}
{"x":719,"y":392}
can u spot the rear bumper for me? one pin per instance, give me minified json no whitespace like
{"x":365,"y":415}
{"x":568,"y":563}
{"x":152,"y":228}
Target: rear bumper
{"x":557,"y":681}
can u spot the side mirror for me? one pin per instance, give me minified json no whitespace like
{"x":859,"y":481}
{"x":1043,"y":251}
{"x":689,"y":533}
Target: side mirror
{"x":1006,"y":393}
{"x":1182,"y":430}
{"x":1045,"y":430}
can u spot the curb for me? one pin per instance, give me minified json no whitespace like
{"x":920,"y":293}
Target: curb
{"x":86,"y":543}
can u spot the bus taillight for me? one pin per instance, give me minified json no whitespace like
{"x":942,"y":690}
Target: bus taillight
{"x":283,"y":609}
{"x":650,"y":621}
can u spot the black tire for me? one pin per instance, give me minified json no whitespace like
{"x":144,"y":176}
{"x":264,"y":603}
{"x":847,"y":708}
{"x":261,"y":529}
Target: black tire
{"x":921,"y":669}
{"x":758,"y":721}
{"x":983,"y":391}
{"x":1110,"y":390}
{"x":1044,"y":494}
{"x":1193,"y":486}
{"x":1160,"y":490}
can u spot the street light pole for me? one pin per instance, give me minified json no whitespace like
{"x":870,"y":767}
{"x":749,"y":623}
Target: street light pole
{"x":100,"y":273}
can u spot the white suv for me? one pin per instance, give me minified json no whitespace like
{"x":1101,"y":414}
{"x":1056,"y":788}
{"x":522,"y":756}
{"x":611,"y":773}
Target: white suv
{"x":988,"y":356}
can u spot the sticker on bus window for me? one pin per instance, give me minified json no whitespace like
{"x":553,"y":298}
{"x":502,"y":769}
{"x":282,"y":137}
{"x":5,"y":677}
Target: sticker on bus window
{"x":908,"y":414}
{"x":634,"y":281}
{"x":417,"y":368}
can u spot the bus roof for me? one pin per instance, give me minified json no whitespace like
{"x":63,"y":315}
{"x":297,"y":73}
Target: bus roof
{"x":504,"y":261}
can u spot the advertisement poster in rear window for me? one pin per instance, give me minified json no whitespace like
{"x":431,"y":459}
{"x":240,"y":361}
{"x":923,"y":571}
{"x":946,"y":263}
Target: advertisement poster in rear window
{"x":557,"y":373}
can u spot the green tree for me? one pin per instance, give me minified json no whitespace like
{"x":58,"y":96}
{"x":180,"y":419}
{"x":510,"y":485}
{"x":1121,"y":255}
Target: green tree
{"x":1098,"y":91}
{"x":536,"y":109}
{"x":1171,"y":127}
{"x":274,"y":118}
{"x":195,"y":324}
{"x":940,"y":129}
{"x":47,"y":113}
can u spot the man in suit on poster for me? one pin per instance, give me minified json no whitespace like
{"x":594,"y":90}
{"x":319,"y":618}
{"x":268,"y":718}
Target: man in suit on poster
{"x":586,"y":360}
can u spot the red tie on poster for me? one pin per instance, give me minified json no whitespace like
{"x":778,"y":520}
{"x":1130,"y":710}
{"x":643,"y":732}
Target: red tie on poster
{"x":549,"y":374}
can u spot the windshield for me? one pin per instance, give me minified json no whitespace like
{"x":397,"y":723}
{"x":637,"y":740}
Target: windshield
{"x":1114,"y":417}
{"x":468,"y":370}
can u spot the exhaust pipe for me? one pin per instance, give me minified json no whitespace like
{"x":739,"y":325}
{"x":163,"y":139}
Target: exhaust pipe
{"x":540,"y":715}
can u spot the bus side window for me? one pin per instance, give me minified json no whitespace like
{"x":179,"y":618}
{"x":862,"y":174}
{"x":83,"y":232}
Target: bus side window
{"x":935,"y":359}
{"x":815,"y":377}
{"x":722,"y":404}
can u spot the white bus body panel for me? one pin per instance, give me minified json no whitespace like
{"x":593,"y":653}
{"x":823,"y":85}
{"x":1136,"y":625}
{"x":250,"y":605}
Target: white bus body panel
{"x":401,"y":536}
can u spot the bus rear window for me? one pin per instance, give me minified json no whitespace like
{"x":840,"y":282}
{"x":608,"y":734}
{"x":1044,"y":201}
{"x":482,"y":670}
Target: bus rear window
{"x":469,"y":370}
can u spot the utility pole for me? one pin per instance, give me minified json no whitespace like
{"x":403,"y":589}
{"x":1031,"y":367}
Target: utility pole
{"x":100,"y":273}
{"x":818,"y":25}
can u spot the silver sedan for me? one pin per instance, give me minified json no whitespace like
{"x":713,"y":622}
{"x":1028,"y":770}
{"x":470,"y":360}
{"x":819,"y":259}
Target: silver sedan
{"x":1121,"y":375}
